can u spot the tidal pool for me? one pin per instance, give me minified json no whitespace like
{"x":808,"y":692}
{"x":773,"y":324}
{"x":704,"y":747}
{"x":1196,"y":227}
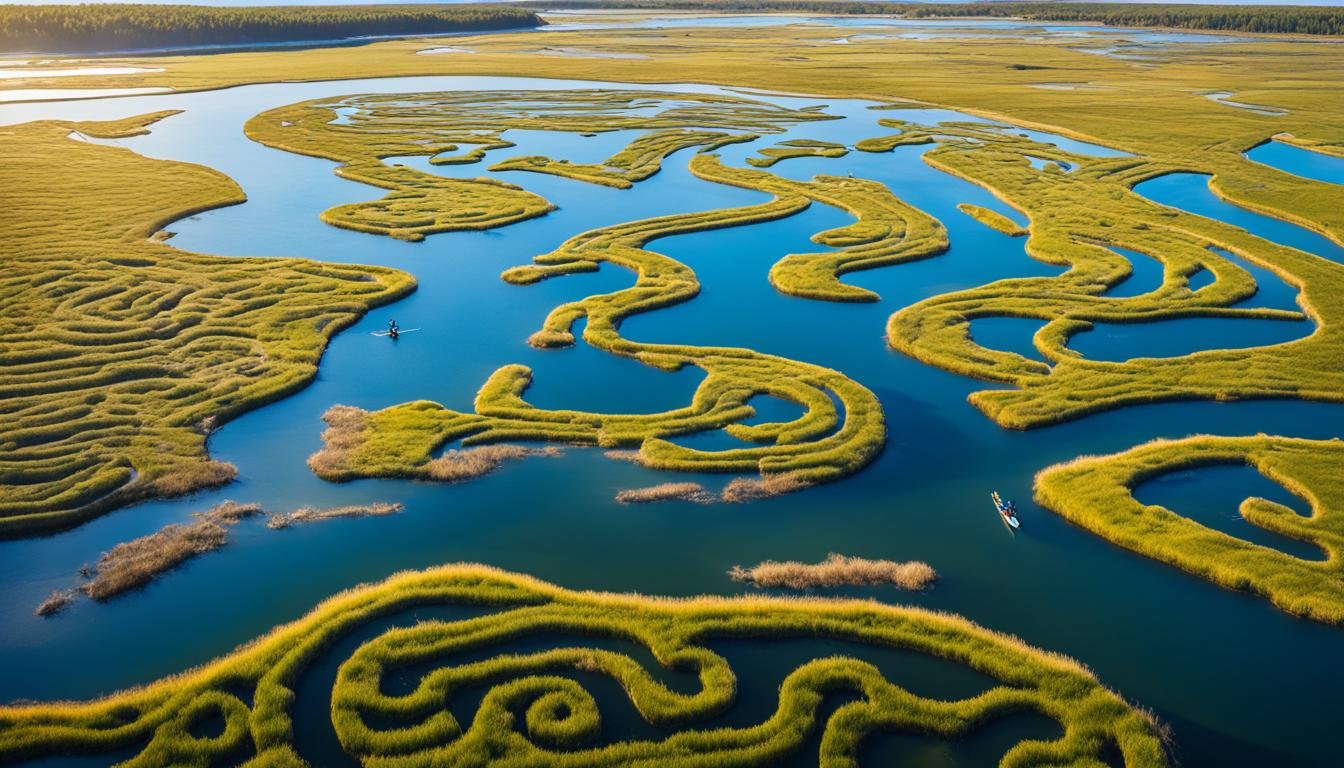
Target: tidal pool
{"x":1203,"y":658}
{"x":1299,"y":162}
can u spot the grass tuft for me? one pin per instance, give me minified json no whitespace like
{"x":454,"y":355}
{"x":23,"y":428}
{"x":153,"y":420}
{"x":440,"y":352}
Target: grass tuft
{"x":836,"y":571}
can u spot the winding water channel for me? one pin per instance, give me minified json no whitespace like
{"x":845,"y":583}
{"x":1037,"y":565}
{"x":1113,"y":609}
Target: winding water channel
{"x":1240,"y":682}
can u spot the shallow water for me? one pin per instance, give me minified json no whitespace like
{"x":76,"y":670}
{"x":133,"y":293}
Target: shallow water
{"x":1212,"y":496}
{"x":1118,"y":342}
{"x":1204,"y":658}
{"x":1190,"y":192}
{"x":1299,"y":161}
{"x":41,"y":72}
{"x":1225,"y":98}
{"x":920,"y":28}
{"x":8,"y":95}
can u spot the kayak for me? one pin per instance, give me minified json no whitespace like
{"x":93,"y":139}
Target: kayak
{"x":399,"y":332}
{"x":1006,"y":511}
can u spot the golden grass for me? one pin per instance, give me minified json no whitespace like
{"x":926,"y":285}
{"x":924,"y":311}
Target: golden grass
{"x":794,"y":148}
{"x":1095,"y":492}
{"x":120,"y":353}
{"x":56,"y":602}
{"x":818,"y":446}
{"x":992,"y":219}
{"x":437,"y":124}
{"x":744,"y":489}
{"x":1075,"y":216}
{"x":457,"y":465}
{"x":536,"y":713}
{"x":836,"y":571}
{"x":1165,"y":121}
{"x":638,"y":161}
{"x":135,"y":563}
{"x":315,"y":514}
{"x":666,"y":492}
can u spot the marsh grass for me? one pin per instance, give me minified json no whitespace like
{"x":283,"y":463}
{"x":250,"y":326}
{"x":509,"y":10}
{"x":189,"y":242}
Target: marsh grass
{"x":666,"y":492}
{"x":993,"y":219}
{"x":1074,"y":216}
{"x":465,"y":464}
{"x":1096,"y":493}
{"x":534,"y":712}
{"x":56,"y":602}
{"x":314,"y":514}
{"x":641,"y":159}
{"x":440,"y":123}
{"x":837,"y":571}
{"x":794,"y":148}
{"x":819,"y":446}
{"x":116,"y":346}
{"x":744,"y":489}
{"x":133,"y":564}
{"x":1076,"y":220}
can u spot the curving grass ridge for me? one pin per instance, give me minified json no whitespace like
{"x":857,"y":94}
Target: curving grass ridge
{"x":120,"y":353}
{"x":827,"y":442}
{"x":1078,"y":218}
{"x":1095,"y":492}
{"x":354,"y":131}
{"x":535,"y":711}
{"x":641,"y":159}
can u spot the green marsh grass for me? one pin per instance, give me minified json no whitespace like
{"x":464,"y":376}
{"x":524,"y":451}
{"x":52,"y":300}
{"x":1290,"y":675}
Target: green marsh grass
{"x":120,"y":353}
{"x":536,"y":713}
{"x":442,"y":123}
{"x":1095,"y":492}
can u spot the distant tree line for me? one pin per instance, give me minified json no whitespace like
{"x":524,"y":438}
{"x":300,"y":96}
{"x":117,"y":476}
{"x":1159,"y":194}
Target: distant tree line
{"x":118,"y":27}
{"x":1298,"y":19}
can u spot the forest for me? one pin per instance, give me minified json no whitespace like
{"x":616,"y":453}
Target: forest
{"x":126,"y":27}
{"x":1302,"y":20}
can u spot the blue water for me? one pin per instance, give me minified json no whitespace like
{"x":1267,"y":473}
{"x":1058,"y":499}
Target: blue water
{"x":1271,"y":291}
{"x":1190,"y":192}
{"x":1299,"y":161}
{"x":1200,"y":280}
{"x":1212,"y":496}
{"x":1008,"y":334}
{"x":1151,"y":632}
{"x":1117,"y":342}
{"x":1146,"y":275}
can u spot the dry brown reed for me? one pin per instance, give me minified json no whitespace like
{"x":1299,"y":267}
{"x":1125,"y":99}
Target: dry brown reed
{"x":837,"y":571}
{"x":666,"y":492}
{"x":457,"y":465}
{"x":313,"y":514}
{"x":55,"y":602}
{"x":744,"y":489}
{"x":135,"y":563}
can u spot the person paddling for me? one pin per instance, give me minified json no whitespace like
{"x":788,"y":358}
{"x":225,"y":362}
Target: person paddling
{"x":392,"y":329}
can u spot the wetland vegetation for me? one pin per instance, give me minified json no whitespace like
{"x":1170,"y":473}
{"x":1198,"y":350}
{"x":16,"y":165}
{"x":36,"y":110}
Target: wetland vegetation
{"x":121,"y":353}
{"x":752,"y":281}
{"x":836,"y":570}
{"x":534,"y":710}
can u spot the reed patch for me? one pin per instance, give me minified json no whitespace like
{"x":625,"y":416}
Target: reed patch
{"x":836,"y":571}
